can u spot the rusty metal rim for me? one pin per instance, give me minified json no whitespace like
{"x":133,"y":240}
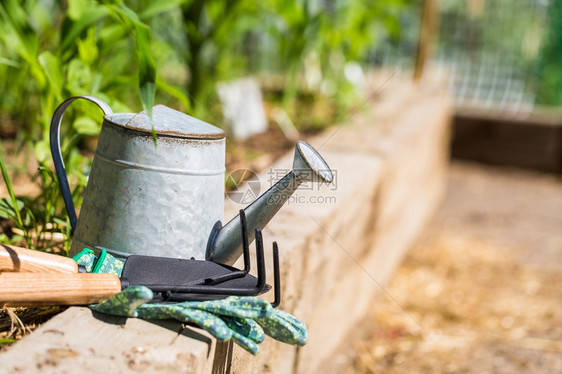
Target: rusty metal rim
{"x":168,"y":134}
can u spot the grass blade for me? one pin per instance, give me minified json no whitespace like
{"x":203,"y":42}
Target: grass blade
{"x":10,"y":188}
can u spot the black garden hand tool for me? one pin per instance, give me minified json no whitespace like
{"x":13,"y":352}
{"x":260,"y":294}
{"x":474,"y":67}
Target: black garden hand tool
{"x":169,"y":278}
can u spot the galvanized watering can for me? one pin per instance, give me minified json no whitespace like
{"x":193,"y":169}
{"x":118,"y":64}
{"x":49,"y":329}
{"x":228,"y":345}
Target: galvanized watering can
{"x":166,"y":200}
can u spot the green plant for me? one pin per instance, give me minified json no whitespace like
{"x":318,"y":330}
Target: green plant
{"x":52,"y":50}
{"x":85,"y":50}
{"x":213,"y":31}
{"x":10,"y":208}
{"x":223,"y":40}
{"x":549,"y":85}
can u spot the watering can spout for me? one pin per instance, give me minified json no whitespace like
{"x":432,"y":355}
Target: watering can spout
{"x":225,"y":242}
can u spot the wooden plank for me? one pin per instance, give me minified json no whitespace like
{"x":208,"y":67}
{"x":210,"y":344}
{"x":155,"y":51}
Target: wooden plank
{"x":428,"y":34}
{"x":539,"y":116}
{"x":80,"y":340}
{"x":529,"y":143}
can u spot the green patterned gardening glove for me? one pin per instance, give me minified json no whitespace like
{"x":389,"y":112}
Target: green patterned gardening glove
{"x":284,"y":327}
{"x":238,"y":314}
{"x":246,"y":320}
{"x":133,"y":302}
{"x":104,"y":263}
{"x":278,"y":324}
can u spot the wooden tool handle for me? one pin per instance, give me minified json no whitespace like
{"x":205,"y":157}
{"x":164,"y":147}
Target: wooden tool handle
{"x":26,"y":289}
{"x":18,"y":259}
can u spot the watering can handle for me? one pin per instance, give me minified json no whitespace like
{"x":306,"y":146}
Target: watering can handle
{"x":57,"y":154}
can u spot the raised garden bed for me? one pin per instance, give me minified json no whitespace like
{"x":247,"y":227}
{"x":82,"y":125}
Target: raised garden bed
{"x":390,"y":166}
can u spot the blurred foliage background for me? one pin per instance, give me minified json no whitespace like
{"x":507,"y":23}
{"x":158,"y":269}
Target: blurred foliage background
{"x":132,"y":53}
{"x":309,"y":57}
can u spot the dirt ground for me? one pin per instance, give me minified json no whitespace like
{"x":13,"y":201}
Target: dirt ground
{"x":482,"y":291}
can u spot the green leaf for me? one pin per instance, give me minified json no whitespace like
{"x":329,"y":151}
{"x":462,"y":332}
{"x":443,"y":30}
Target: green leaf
{"x":7,"y":208}
{"x":78,"y":76}
{"x":52,"y":68}
{"x":147,"y":68}
{"x":6,"y":240}
{"x":109,"y":35}
{"x":73,"y":29}
{"x":77,"y":8}
{"x":175,"y":92}
{"x":86,"y":126}
{"x":61,"y":222}
{"x":8,"y":62}
{"x":157,"y":7}
{"x":87,"y":47}
{"x":10,"y":189}
{"x":42,"y":151}
{"x":14,"y":31}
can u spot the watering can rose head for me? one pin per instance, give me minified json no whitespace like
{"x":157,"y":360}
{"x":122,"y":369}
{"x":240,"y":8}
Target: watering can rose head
{"x":166,"y":200}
